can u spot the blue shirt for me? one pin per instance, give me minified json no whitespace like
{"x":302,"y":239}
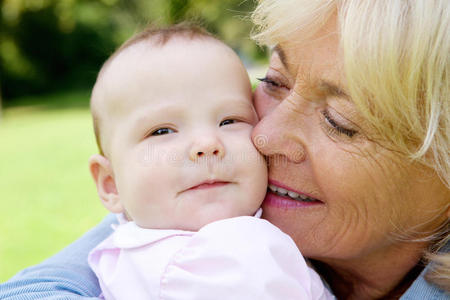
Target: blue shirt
{"x":67,"y":276}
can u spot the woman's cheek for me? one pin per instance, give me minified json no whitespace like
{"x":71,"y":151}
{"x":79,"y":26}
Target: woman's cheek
{"x":263,"y":102}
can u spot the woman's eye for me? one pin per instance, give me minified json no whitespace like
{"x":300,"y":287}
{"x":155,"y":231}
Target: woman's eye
{"x":270,"y":83}
{"x":336,"y":127}
{"x":162,"y":131}
{"x":274,"y":87}
{"x":227,"y":122}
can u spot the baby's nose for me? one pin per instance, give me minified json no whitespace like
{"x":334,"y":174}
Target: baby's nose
{"x":207,"y":148}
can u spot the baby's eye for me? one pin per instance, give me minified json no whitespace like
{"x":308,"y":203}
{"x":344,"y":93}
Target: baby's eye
{"x":227,"y":122}
{"x":162,"y":131}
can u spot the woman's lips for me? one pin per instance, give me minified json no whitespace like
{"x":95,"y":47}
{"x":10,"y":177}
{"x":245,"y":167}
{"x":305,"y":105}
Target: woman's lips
{"x":277,"y":186}
{"x":280,"y":196}
{"x":278,"y":201}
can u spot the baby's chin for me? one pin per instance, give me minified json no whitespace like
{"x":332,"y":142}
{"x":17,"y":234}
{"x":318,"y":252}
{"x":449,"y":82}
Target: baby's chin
{"x":197,"y":224}
{"x":193,"y":222}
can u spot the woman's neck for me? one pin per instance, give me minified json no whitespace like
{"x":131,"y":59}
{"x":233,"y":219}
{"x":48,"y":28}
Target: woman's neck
{"x":384,"y":276}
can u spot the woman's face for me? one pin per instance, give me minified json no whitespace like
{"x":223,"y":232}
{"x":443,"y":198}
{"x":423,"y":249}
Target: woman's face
{"x":344,"y":194}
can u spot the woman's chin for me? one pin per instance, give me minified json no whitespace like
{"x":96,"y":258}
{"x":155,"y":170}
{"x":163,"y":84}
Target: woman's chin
{"x":301,"y":220}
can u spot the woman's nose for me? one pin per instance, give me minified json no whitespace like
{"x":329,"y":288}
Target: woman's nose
{"x":278,"y":133}
{"x":207,"y":147}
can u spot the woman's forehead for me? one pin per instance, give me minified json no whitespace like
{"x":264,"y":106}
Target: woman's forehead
{"x":314,"y":67}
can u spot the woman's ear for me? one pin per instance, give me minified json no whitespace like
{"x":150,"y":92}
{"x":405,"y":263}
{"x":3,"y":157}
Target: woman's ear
{"x":102,"y":173}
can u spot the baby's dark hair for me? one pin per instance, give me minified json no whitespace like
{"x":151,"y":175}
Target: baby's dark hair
{"x":159,"y":37}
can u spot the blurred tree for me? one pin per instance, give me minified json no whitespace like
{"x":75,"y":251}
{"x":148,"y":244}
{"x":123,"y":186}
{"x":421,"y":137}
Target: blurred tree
{"x":48,"y":45}
{"x":1,"y":104}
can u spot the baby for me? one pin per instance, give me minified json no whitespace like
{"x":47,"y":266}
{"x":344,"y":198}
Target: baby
{"x":173,"y":117}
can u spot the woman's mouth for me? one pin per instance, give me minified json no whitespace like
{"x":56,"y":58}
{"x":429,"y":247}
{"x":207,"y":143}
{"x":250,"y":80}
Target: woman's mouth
{"x":281,"y":197}
{"x":293,"y":195}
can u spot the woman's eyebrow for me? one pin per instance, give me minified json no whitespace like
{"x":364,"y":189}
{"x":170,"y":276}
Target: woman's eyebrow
{"x":281,"y":55}
{"x":324,"y":86}
{"x":332,"y":89}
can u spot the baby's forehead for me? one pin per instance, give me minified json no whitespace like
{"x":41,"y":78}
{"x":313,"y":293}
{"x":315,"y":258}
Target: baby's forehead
{"x":125,"y":70}
{"x":151,"y":50}
{"x":180,"y":65}
{"x":146,"y":60}
{"x":130,"y":60}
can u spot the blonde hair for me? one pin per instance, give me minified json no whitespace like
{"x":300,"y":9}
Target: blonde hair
{"x":397,"y":66}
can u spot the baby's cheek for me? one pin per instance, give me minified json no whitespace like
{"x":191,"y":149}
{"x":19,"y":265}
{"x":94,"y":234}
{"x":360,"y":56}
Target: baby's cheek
{"x":254,"y":162}
{"x":254,"y":156}
{"x":244,"y":152}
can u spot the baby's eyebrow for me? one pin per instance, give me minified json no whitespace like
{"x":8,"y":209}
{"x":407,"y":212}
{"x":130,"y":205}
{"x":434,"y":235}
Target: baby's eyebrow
{"x":159,"y":111}
{"x":234,"y":104}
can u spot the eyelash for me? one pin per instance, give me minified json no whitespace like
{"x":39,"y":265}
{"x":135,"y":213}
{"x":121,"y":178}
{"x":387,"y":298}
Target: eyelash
{"x":155,"y":132}
{"x":336,"y":127}
{"x":271,"y":83}
{"x":166,"y":130}
{"x":223,"y":122}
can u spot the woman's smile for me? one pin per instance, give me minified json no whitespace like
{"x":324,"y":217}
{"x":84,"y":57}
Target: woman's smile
{"x":280,"y":196}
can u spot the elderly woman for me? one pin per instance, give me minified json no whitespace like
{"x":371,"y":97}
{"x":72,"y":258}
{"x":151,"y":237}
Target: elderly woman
{"x":355,"y":124}
{"x":355,"y":114}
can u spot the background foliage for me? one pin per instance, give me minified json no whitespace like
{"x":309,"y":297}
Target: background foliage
{"x":51,"y":45}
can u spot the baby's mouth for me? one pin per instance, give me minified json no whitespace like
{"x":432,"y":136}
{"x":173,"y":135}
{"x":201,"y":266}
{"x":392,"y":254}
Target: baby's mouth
{"x":208,"y":184}
{"x":290,"y":194}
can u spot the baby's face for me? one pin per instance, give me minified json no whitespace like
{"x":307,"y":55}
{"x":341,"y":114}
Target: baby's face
{"x":178,"y":124}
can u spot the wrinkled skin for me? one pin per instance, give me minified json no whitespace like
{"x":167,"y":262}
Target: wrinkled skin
{"x":366,"y":196}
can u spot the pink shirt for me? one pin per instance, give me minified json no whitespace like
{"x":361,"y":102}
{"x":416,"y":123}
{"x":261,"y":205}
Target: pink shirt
{"x":236,"y":258}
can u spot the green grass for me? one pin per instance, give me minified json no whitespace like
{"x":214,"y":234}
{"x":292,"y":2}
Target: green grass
{"x":47,"y":197}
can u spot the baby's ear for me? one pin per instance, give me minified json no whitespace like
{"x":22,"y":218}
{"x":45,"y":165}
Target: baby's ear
{"x":102,"y":173}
